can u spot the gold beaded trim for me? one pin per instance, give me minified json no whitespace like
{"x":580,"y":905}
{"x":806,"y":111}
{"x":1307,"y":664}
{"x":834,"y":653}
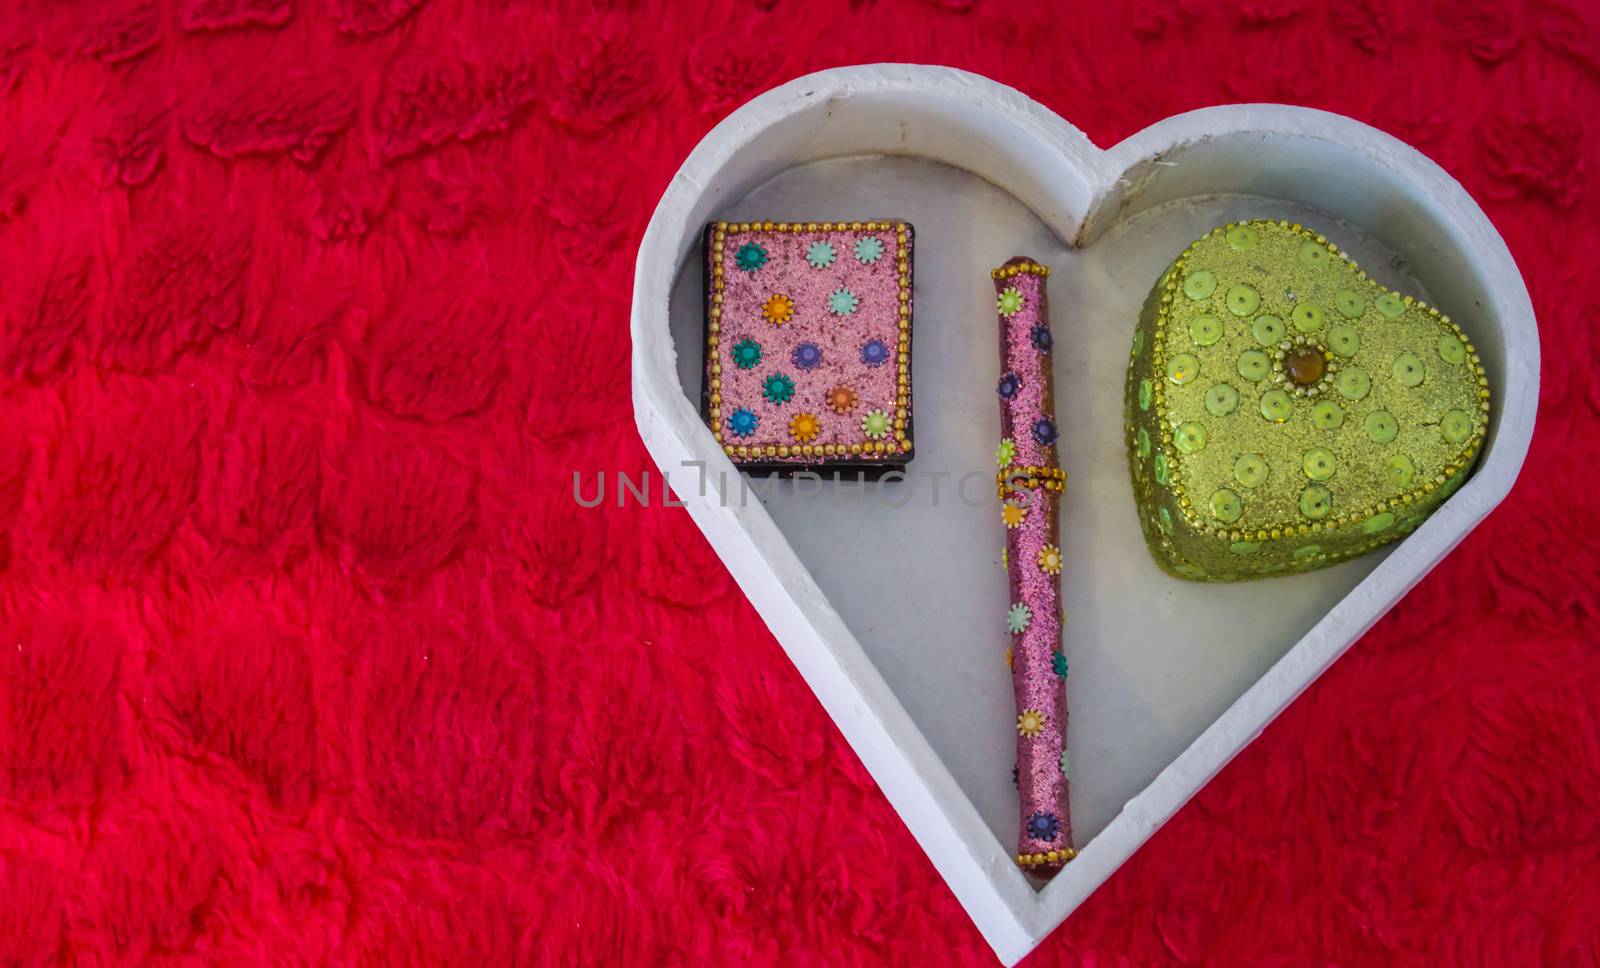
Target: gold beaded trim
{"x":902,"y":416}
{"x":1030,"y":476}
{"x":1186,"y":507}
{"x":1061,"y":856}
{"x":1024,"y":268}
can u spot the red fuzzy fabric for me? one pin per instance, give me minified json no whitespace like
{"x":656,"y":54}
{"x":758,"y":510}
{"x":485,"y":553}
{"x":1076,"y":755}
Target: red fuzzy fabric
{"x":310,"y":308}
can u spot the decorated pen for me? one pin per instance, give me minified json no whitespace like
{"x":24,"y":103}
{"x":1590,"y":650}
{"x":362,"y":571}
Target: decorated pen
{"x":1029,"y":485}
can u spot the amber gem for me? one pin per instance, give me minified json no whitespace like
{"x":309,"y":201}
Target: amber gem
{"x":1304,"y":365}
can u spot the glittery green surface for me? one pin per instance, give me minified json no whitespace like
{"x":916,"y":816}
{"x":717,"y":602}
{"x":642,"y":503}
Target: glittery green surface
{"x":1351,"y":462}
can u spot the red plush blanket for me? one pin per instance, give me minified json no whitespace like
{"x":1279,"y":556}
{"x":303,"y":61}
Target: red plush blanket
{"x":309,"y":309}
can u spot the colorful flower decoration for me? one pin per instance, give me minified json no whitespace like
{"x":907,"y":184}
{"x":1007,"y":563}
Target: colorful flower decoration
{"x":778,"y":309}
{"x":875,"y":424}
{"x":874,"y":353}
{"x":743,"y":423}
{"x":1009,"y":657}
{"x":1044,"y":431}
{"x":807,"y":356}
{"x":1042,"y":340}
{"x":842,"y":399}
{"x":1005,"y":557}
{"x":750,"y":257}
{"x":1009,"y":386}
{"x":1043,"y":826}
{"x":777,"y":388}
{"x":1010,"y":301}
{"x":1064,"y":763}
{"x":1005,"y":453}
{"x":804,"y":427}
{"x":1012,"y":515}
{"x":842,"y":302}
{"x":1019,"y":617}
{"x":869,"y":250}
{"x":1058,"y":662}
{"x":820,"y":254}
{"x":1014,"y":776}
{"x":746,"y":354}
{"x":1050,"y":559}
{"x":1030,"y":723}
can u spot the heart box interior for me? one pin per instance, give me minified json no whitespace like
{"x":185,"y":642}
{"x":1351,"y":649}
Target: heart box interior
{"x":890,"y":598}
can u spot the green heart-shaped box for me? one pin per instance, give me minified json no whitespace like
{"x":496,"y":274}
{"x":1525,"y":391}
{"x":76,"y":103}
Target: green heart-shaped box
{"x":1285,"y":412}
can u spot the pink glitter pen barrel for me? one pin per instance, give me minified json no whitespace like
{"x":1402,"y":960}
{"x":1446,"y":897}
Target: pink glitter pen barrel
{"x":1029,"y":486}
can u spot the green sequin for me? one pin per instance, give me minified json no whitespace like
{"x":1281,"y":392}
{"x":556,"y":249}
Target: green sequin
{"x":1205,"y":330}
{"x":1306,"y":318}
{"x":1161,"y":470}
{"x":1183,"y":368}
{"x":1245,"y":547}
{"x":1316,"y":502}
{"x":1199,"y":284}
{"x":1327,"y":415}
{"x":1354,"y":384}
{"x":1451,"y":350}
{"x":1277,"y":406}
{"x":1143,"y":441}
{"x":1378,"y":522}
{"x":1268,"y":329}
{"x":1250,"y":470}
{"x":1319,"y":464}
{"x":1344,"y":340}
{"x":1189,"y":438}
{"x":1391,"y":305}
{"x":1226,"y":506}
{"x":1314,"y":254}
{"x":1350,"y":305}
{"x":1409,"y":370}
{"x":1456,"y":426}
{"x":1241,"y":238}
{"x":1381,"y":426}
{"x":1243,"y":300}
{"x":1221,"y":400}
{"x":1254,"y":365}
{"x":1146,"y":394}
{"x":1399,"y":471}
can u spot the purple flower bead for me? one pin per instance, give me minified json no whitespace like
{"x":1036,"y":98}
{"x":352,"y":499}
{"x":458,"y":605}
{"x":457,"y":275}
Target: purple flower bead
{"x":807,"y":356}
{"x":1043,"y":826}
{"x":1042,"y":340}
{"x":1009,"y":385}
{"x":874,"y":353}
{"x":1044,"y":431}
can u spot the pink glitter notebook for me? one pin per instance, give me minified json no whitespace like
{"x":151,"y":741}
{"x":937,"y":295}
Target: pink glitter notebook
{"x":808,"y":345}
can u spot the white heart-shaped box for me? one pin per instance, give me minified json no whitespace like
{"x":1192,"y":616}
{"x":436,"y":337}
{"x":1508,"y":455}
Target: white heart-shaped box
{"x":1323,"y":162}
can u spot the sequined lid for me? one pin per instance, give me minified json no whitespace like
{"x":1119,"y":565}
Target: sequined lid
{"x":808,"y":331}
{"x":1285,"y":412}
